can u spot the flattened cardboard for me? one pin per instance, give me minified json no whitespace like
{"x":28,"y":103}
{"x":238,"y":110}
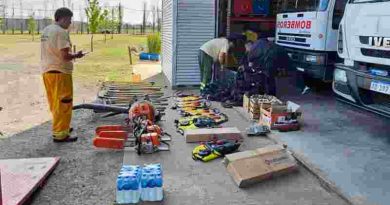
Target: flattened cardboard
{"x":250,"y":167}
{"x":238,"y":155}
{"x":205,"y":134}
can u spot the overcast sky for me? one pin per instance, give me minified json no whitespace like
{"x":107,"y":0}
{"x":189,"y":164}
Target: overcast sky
{"x":132,"y":8}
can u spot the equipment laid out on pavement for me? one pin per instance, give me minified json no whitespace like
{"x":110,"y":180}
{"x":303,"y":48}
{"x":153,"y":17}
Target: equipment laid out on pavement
{"x":257,"y":130}
{"x":253,"y":166}
{"x":272,"y":113}
{"x":283,"y":118}
{"x":114,"y":96}
{"x":20,"y":178}
{"x":200,"y":121}
{"x":256,"y":101}
{"x":141,"y":131}
{"x":211,"y":150}
{"x":196,"y":113}
{"x":190,"y":103}
{"x":136,"y":183}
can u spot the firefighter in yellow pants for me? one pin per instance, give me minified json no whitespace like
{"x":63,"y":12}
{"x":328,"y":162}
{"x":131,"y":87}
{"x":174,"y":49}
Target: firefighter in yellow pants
{"x":59,"y":90}
{"x":57,"y":67}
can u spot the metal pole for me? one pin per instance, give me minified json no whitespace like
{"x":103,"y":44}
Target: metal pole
{"x":74,"y":50}
{"x":131,"y":60}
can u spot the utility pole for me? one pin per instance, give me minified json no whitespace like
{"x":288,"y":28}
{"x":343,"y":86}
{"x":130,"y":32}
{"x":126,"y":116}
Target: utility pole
{"x":13,"y":18}
{"x":112,"y":22}
{"x":158,"y":19}
{"x":21,"y":16}
{"x":4,"y":14}
{"x":81,"y":20}
{"x":63,"y":3}
{"x":86,"y":6}
{"x":120,"y":16}
{"x":73,"y":21}
{"x":154,"y":18}
{"x":144,"y":20}
{"x":45,"y":12}
{"x":38,"y":22}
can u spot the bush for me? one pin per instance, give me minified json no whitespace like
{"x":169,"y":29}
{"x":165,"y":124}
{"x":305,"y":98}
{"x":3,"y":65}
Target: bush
{"x":154,"y":43}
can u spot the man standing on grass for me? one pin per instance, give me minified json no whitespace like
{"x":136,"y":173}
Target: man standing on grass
{"x":57,"y":67}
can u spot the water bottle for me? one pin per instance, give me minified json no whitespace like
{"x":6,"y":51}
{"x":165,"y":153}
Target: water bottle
{"x":134,"y":193}
{"x":144,"y":186}
{"x":119,"y":191}
{"x":152,"y":187}
{"x":159,"y":187}
{"x":127,"y":189}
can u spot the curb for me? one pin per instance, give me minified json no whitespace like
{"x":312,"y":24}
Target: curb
{"x":317,"y":172}
{"x":313,"y":169}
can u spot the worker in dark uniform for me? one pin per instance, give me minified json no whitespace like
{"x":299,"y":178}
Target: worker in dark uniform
{"x":265,"y":55}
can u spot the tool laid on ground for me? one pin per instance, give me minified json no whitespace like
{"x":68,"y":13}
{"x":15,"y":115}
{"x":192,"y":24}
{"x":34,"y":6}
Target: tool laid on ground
{"x":141,"y":132}
{"x":191,"y":105}
{"x":196,"y":113}
{"x":257,"y":130}
{"x":117,"y":98}
{"x":214,"y":149}
{"x":200,"y":121}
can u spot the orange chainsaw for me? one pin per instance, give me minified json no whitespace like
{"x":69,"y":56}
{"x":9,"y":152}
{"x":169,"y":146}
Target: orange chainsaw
{"x":140,"y":131}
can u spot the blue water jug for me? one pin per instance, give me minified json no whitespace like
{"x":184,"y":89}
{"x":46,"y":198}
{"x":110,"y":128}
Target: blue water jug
{"x":144,"y":186}
{"x":159,"y":187}
{"x":119,"y":190}
{"x":127,"y":189}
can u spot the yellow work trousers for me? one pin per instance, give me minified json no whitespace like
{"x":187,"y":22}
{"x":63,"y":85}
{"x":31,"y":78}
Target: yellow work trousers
{"x":59,"y":90}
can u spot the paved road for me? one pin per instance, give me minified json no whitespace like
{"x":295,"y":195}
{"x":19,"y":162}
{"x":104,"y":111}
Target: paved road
{"x":352,"y":146}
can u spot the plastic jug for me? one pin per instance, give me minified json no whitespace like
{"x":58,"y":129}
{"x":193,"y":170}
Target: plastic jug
{"x":120,"y":194}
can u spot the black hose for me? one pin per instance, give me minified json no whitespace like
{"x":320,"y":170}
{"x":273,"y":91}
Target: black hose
{"x":100,"y":107}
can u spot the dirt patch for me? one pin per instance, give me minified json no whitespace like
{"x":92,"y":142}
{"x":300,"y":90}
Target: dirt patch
{"x":25,"y":104}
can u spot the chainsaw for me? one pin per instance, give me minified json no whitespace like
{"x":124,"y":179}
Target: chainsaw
{"x":140,"y":131}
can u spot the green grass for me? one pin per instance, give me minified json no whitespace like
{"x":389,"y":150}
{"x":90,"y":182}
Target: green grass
{"x":109,"y":60}
{"x":154,"y":43}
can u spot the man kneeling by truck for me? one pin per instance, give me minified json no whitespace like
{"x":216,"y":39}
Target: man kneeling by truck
{"x":268,"y":57}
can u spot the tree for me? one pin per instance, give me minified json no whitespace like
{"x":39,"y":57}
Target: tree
{"x":95,"y":16}
{"x":113,"y":21}
{"x":31,"y":26}
{"x":104,"y":24}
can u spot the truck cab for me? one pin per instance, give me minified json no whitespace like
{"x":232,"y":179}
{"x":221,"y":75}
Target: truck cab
{"x":364,"y":44}
{"x":308,"y":30}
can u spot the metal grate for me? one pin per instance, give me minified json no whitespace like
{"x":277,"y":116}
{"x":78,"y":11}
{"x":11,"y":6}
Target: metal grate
{"x":375,"y":53}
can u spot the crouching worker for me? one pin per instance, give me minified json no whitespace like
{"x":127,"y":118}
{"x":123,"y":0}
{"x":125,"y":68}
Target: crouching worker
{"x":57,"y":66}
{"x":265,"y":55}
{"x":212,"y":52}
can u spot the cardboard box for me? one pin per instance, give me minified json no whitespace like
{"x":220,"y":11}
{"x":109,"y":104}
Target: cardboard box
{"x":250,"y":167}
{"x":207,"y":134}
{"x":246,"y":103}
{"x":271,"y":115}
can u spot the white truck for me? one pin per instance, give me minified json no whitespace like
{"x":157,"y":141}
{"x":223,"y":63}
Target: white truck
{"x":308,"y":30}
{"x":364,"y":44}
